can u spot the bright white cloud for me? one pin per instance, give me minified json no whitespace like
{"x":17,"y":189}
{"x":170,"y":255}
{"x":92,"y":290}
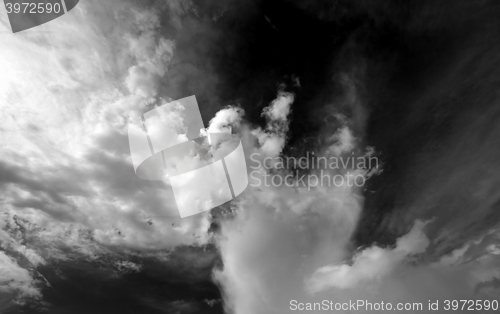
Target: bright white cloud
{"x":370,"y":264}
{"x":15,"y":279}
{"x":67,"y":93}
{"x":225,"y":120}
{"x":273,"y":138}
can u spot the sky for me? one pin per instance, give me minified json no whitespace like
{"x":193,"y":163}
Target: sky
{"x":411,"y":84}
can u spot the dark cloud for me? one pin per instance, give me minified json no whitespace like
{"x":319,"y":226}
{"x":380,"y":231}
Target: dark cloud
{"x":431,"y":93}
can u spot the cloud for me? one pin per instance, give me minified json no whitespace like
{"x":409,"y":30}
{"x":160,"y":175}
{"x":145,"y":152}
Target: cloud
{"x":275,"y":247}
{"x":225,"y":120}
{"x":281,"y":234}
{"x":280,"y":108}
{"x":141,"y":81}
{"x":272,"y":257}
{"x":370,"y":264}
{"x":66,"y":157}
{"x":15,"y":279}
{"x":347,"y":140}
{"x":152,"y":56}
{"x":273,"y":138}
{"x":70,"y":89}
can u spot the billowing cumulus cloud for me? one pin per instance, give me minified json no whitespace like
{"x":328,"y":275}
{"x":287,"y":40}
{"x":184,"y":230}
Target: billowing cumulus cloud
{"x":370,"y":264}
{"x":295,"y":242}
{"x":283,"y":233}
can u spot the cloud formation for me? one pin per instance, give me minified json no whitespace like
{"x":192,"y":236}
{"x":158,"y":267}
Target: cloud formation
{"x":69,"y":193}
{"x":292,"y":243}
{"x":70,"y":89}
{"x":370,"y":264}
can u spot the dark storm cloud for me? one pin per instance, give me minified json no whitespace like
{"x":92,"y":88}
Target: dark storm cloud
{"x":87,"y":277}
{"x":431,"y":83}
{"x":239,"y":57}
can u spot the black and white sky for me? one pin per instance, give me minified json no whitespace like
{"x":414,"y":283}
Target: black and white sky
{"x":412,"y":83}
